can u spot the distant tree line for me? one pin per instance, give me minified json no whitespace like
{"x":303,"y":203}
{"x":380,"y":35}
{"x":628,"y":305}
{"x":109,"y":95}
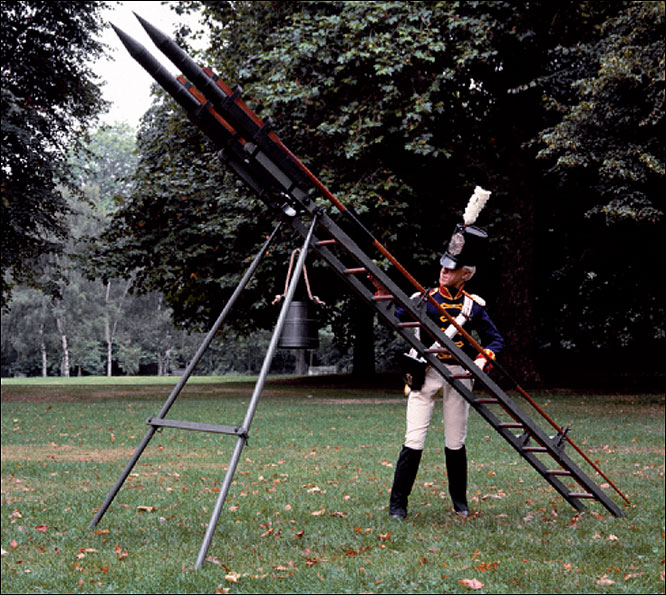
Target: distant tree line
{"x":95,"y":326}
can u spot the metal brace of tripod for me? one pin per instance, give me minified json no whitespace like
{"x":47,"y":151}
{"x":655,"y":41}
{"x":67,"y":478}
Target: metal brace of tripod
{"x":241,"y":432}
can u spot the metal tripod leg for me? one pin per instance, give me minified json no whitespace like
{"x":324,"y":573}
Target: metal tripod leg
{"x":181,"y":383}
{"x":259,"y":386}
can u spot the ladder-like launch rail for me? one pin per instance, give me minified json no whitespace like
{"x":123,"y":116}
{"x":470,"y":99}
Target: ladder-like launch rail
{"x":256,"y":155}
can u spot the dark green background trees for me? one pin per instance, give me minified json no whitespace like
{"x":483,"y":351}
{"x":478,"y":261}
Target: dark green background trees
{"x":401,"y":108}
{"x":50,"y":96}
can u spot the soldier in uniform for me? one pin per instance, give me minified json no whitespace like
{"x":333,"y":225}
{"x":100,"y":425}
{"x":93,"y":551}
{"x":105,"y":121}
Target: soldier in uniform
{"x":458,"y":265}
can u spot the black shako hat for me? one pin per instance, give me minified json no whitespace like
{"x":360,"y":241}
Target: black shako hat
{"x":468,"y":243}
{"x":465,"y":248}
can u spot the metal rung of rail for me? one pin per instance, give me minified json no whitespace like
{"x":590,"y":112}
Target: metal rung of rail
{"x":487,"y":400}
{"x":511,"y":425}
{"x":582,"y":495}
{"x":326,"y":242}
{"x":535,"y":449}
{"x":558,"y":472}
{"x":355,"y":271}
{"x":383,"y":298}
{"x":409,"y":325}
{"x":195,"y":426}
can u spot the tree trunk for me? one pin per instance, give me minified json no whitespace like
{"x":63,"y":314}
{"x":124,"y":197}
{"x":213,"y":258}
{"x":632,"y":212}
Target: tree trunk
{"x":166,"y":362}
{"x":42,"y":349}
{"x":301,"y":368}
{"x":45,"y":367}
{"x":108,"y":334}
{"x":64,"y":364}
{"x":363,"y":364}
{"x":64,"y":369}
{"x":109,"y":347}
{"x":110,"y":326}
{"x":515,"y":312}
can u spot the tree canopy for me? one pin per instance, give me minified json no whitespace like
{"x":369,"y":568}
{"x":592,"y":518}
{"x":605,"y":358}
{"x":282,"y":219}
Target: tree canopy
{"x":402,"y":108}
{"x":50,"y":96}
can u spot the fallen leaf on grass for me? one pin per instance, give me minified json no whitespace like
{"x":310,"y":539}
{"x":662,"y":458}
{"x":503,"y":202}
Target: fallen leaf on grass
{"x":604,"y":581}
{"x":232,"y":577}
{"x":471,"y":583}
{"x":221,"y":590}
{"x":121,"y":553}
{"x":632,"y":575}
{"x":318,"y":512}
{"x":13,"y":544}
{"x":42,"y":528}
{"x":146,"y":508}
{"x":486,"y":566}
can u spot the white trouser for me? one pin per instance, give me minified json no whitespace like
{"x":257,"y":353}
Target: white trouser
{"x":420,"y":405}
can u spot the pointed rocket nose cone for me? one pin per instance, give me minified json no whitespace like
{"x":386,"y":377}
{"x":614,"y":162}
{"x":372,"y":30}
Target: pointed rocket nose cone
{"x":133,"y":46}
{"x":153,"y":32}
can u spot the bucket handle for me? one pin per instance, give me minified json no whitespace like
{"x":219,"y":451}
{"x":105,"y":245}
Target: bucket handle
{"x":314,"y":298}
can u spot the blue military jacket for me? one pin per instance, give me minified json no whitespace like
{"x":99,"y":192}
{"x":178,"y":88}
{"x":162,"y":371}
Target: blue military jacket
{"x":452,"y":301}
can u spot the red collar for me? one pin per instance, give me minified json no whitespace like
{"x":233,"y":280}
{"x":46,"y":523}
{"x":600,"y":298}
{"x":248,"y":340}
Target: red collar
{"x":446,"y":292}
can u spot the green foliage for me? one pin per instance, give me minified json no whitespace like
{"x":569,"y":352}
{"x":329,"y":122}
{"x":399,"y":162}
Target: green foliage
{"x":401,"y":108}
{"x":107,"y":164}
{"x":609,"y":134}
{"x":50,"y":97}
{"x":606,"y":155}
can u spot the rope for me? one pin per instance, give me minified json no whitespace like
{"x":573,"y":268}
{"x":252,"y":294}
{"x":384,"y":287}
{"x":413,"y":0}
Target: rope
{"x":314,"y":298}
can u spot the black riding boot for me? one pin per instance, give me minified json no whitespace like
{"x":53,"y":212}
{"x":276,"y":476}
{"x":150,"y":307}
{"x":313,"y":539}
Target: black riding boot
{"x":403,"y":481}
{"x":456,"y":468}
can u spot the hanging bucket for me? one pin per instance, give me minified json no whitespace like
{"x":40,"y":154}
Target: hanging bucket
{"x":300,"y":327}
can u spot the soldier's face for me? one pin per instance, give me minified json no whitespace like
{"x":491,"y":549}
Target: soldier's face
{"x":453,"y":277}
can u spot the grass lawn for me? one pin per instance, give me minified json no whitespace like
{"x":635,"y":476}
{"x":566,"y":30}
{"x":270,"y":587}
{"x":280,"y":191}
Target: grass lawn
{"x":307,"y":511}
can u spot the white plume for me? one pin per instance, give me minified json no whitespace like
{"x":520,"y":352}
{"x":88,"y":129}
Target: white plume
{"x":475,"y":204}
